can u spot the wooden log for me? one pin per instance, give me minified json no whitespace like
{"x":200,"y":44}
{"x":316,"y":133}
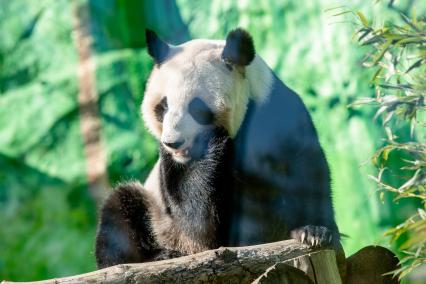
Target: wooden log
{"x":284,"y":274}
{"x":222,"y":265}
{"x":317,"y":267}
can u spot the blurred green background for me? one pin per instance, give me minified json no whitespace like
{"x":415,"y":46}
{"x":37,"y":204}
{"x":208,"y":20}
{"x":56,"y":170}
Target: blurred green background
{"x":47,"y":206}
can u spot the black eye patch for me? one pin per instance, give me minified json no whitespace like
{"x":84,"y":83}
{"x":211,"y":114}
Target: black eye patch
{"x":200,"y":112}
{"x":229,"y":66}
{"x":161,"y":109}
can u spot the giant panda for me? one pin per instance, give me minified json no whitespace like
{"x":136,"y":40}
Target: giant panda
{"x":240,"y":162}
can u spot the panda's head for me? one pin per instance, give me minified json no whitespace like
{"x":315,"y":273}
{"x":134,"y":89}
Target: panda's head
{"x":201,"y":85}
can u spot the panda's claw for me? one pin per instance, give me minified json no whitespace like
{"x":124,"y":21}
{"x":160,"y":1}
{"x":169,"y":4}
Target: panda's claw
{"x":302,"y":239}
{"x":314,"y":236}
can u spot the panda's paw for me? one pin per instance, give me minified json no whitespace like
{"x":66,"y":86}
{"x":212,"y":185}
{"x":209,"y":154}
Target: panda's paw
{"x":314,"y":236}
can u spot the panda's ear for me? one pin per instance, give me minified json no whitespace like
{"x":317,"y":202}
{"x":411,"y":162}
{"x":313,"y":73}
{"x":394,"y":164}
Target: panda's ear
{"x":239,"y":48}
{"x":157,"y":48}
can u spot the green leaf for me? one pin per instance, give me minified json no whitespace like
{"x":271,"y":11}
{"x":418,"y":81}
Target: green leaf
{"x":385,"y":153}
{"x":376,"y":75}
{"x":384,"y":48}
{"x":363,"y":19}
{"x":382,"y":197}
{"x":417,"y":64}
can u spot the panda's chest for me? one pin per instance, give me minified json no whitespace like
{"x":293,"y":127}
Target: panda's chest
{"x":188,"y":229}
{"x":177,"y":232}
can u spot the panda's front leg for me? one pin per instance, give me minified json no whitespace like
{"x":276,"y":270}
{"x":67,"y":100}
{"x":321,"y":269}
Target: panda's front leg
{"x":124,"y":231}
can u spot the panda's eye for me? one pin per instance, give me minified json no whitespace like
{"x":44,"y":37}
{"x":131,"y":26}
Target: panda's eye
{"x":228,"y":64}
{"x":200,"y":112}
{"x":161,"y":109}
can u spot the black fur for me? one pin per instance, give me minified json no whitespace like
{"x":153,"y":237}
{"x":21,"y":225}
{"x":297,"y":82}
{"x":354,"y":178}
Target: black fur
{"x":239,"y":48}
{"x":282,"y":168}
{"x":196,"y":193}
{"x":196,"y":197}
{"x":158,"y":49}
{"x":200,"y":111}
{"x":124,"y":232}
{"x":161,"y":109}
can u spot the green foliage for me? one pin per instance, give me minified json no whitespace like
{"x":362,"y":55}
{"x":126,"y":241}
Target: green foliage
{"x":397,"y":52}
{"x":48,"y":217}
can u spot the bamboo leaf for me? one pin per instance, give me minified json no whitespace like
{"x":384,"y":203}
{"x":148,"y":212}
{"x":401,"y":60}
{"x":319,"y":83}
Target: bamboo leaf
{"x":380,"y":111}
{"x":388,"y":117}
{"x":417,"y":64}
{"x":342,"y":13}
{"x":335,"y":8}
{"x":412,"y":126}
{"x":364,"y":34}
{"x":376,"y":75}
{"x":382,"y":197}
{"x":422,"y":213}
{"x":384,"y":48}
{"x":372,"y":40}
{"x":411,"y":181}
{"x":385,"y":153}
{"x":363,"y":19}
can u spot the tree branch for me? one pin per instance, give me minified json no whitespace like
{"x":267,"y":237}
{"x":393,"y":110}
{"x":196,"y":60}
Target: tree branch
{"x":230,"y":265}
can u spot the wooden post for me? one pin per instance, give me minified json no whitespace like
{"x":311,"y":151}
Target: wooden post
{"x":224,"y":265}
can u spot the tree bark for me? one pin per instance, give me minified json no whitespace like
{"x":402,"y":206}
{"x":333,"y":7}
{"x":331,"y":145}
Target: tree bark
{"x":224,"y":265}
{"x":88,"y":98}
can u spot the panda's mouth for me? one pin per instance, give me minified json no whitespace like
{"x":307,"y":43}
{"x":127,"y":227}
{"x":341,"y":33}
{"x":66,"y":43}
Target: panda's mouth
{"x":181,"y":156}
{"x":195,"y":149}
{"x":191,"y":153}
{"x":182,"y":153}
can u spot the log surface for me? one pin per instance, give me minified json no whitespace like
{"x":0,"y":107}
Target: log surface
{"x":222,"y":265}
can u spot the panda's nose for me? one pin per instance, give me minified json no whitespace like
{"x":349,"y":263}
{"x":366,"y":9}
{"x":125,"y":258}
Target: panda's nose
{"x":174,"y":145}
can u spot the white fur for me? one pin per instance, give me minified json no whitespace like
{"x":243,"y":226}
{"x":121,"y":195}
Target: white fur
{"x":152,"y":184}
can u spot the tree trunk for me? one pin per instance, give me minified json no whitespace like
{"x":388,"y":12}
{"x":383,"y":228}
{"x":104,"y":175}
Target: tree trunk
{"x":90,"y":122}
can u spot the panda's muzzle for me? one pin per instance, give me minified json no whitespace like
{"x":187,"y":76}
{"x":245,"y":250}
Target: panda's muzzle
{"x":184,"y":152}
{"x":178,"y":150}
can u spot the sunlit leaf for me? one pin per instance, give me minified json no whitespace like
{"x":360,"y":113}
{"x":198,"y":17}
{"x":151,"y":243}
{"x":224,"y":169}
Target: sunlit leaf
{"x":383,"y":49}
{"x":411,"y":181}
{"x":417,"y":64}
{"x":363,"y":19}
